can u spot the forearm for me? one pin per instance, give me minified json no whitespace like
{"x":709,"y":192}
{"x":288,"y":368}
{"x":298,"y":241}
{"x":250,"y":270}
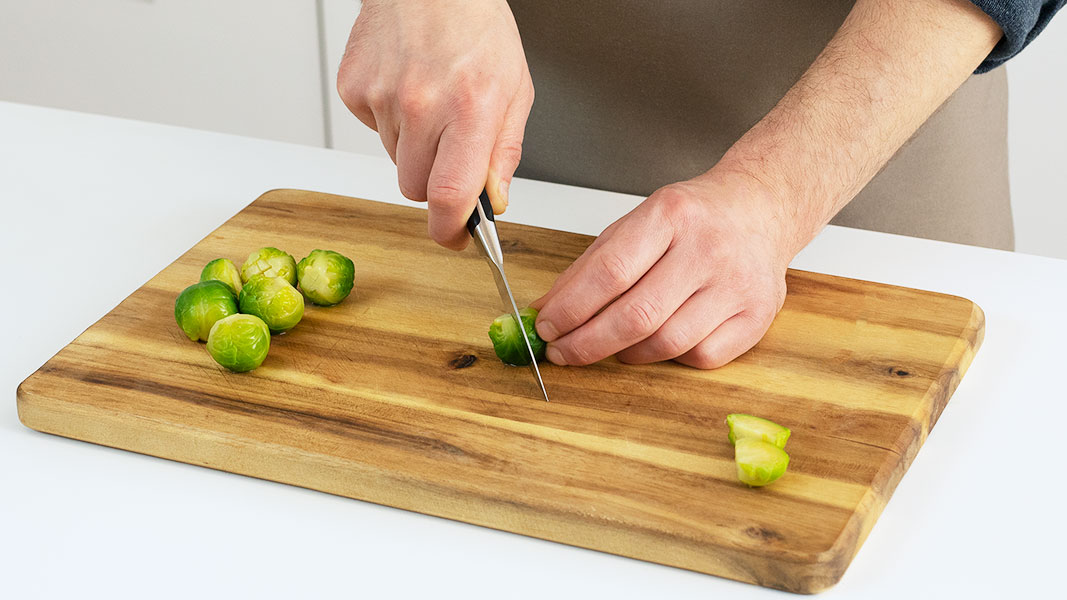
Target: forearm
{"x":886,"y":70}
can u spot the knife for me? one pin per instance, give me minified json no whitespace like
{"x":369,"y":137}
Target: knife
{"x":482,"y":227}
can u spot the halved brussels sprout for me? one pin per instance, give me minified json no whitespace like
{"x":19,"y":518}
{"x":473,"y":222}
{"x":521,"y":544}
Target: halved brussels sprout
{"x":507,"y":340}
{"x":325,"y":276}
{"x":273,"y":300}
{"x":239,"y":342}
{"x":200,"y":305}
{"x":271,"y":262}
{"x":759,"y":462}
{"x":747,"y":426}
{"x":223,"y":269}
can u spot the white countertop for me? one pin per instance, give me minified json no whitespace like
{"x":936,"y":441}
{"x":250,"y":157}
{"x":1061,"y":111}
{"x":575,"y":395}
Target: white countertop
{"x":94,"y":206}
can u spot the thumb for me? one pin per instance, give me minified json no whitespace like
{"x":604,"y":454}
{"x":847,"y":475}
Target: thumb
{"x":507,"y":152}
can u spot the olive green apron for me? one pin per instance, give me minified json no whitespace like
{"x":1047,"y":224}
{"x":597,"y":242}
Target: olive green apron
{"x":632,"y":95}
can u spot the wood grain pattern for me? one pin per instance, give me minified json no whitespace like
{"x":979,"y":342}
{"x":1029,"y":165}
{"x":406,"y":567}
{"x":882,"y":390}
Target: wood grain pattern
{"x":395,"y":397}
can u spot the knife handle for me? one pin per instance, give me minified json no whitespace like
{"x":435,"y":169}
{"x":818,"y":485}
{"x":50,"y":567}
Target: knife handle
{"x":476,"y":216}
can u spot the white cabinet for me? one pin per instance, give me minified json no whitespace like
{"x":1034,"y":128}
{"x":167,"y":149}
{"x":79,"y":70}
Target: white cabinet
{"x":249,"y":67}
{"x":346,"y":131}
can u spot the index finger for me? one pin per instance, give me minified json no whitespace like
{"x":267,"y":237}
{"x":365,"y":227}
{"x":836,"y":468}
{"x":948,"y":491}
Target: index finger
{"x":601,"y":275}
{"x":456,"y":179}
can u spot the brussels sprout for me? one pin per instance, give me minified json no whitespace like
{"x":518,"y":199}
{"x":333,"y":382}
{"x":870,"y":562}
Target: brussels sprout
{"x":239,"y":342}
{"x":747,"y":426}
{"x":325,"y":276}
{"x":759,"y":462}
{"x":507,"y":343}
{"x":271,"y":262}
{"x":200,"y":305}
{"x":273,"y":300}
{"x":223,"y":269}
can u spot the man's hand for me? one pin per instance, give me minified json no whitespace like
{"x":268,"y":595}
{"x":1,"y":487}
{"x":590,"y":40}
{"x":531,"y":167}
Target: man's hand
{"x":695,"y":273}
{"x":446,"y":86}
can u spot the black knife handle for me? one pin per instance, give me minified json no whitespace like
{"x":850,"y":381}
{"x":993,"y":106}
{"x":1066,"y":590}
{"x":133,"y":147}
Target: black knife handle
{"x":475,"y":218}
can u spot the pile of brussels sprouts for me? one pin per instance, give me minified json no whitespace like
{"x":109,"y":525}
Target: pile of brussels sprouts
{"x":236,"y":312}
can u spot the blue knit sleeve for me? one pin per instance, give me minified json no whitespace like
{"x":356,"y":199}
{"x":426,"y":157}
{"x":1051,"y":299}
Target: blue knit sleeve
{"x":1021,"y":21}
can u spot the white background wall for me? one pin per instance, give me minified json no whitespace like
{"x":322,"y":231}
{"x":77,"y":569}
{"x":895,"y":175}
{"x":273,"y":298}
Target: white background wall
{"x":347,"y":132}
{"x":1037,"y":134}
{"x":249,"y":67}
{"x":256,"y":67}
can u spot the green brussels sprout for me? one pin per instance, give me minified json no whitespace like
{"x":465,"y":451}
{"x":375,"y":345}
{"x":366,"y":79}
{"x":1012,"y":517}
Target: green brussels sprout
{"x":273,"y":300}
{"x":758,"y":462}
{"x":747,"y":426}
{"x":239,"y":342}
{"x":507,"y":343}
{"x":326,"y":277}
{"x":271,"y":262}
{"x":223,"y":269}
{"x":200,"y":305}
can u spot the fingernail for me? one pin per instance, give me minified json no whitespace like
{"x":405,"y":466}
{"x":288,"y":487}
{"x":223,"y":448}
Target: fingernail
{"x":502,"y":188}
{"x":498,"y":191}
{"x":546,"y":330}
{"x":555,"y":357}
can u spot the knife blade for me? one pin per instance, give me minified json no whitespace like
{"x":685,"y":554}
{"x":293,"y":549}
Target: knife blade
{"x":482,"y":227}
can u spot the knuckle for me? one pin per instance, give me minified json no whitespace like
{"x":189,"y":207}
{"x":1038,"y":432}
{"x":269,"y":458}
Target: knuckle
{"x":614,"y":272}
{"x":353,"y":94}
{"x":446,"y":188}
{"x":474,"y":99}
{"x":509,"y":152}
{"x":415,"y":100}
{"x":577,"y":355}
{"x":639,"y":317}
{"x":355,"y":85}
{"x":704,"y":358}
{"x":446,"y":193}
{"x":372,"y":96}
{"x":672,"y":342}
{"x":566,"y":316}
{"x":675,"y":204}
{"x":763,"y":311}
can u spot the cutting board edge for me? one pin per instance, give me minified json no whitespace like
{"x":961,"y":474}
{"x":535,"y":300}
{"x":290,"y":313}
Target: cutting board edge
{"x":877,"y":497}
{"x":806,"y":573}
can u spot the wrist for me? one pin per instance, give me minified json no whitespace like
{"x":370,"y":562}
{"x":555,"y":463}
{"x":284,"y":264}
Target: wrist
{"x":742,"y":189}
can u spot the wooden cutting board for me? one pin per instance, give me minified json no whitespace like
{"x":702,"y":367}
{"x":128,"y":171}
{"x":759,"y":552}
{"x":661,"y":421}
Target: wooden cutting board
{"x":395,"y":397}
